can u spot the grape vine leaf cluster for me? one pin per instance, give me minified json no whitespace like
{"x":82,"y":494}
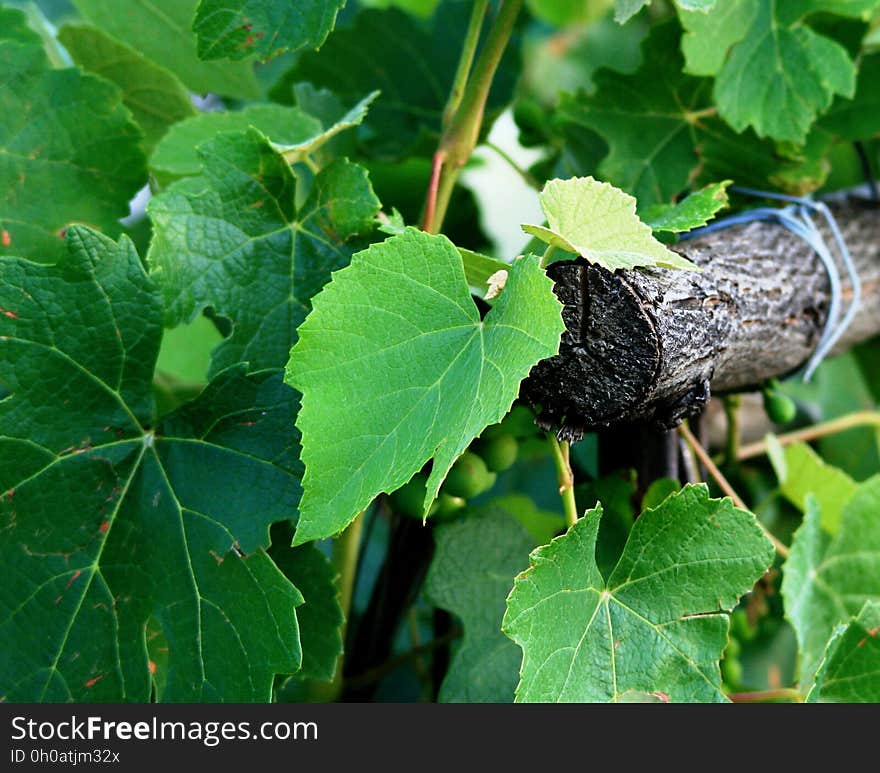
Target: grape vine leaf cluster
{"x":90,"y":160}
{"x":403,"y":309}
{"x":234,"y":238}
{"x":782,"y":75}
{"x":657,"y":625}
{"x":598,"y":222}
{"x":827,"y":579}
{"x":666,"y":128}
{"x":237,"y":29}
{"x":134,"y":555}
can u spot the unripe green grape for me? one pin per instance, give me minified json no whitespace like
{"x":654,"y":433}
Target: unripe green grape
{"x":740,"y":627}
{"x":498,"y":452}
{"x":409,"y":499}
{"x":468,"y":477}
{"x":447,"y":507}
{"x":780,"y":408}
{"x":731,"y":671}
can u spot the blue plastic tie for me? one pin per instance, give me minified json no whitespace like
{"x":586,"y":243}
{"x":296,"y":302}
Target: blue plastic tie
{"x":797,"y":218}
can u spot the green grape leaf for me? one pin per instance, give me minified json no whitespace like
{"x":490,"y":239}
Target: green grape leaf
{"x":783,"y":74}
{"x":396,"y":368}
{"x":234,"y":240}
{"x":694,"y":211}
{"x":599,"y":222}
{"x":478,"y":268}
{"x":472,"y":571}
{"x":826,"y":580}
{"x":850,"y":668}
{"x":657,"y":625}
{"x":161,"y":31}
{"x":177,"y":153}
{"x":411,"y":62}
{"x":801,"y":473}
{"x":70,"y":152}
{"x":320,"y":617}
{"x":296,"y":152}
{"x":709,"y":35}
{"x":133,"y":555}
{"x":857,"y":118}
{"x":237,"y":29}
{"x":650,"y":120}
{"x":156,"y":98}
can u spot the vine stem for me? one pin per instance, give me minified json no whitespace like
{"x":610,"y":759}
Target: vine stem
{"x":764,"y":696}
{"x":465,"y":61}
{"x":723,"y":484}
{"x":345,"y":550}
{"x":850,"y":421}
{"x":526,"y":176}
{"x":460,"y":135}
{"x":562,"y":459}
{"x":732,"y":405}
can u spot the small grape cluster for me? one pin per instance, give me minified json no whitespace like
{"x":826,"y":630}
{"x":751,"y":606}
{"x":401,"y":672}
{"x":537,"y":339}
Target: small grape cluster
{"x":474,"y":472}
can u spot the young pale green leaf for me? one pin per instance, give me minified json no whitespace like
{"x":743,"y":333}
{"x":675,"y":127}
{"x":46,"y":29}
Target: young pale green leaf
{"x":298,"y":151}
{"x":783,"y":74}
{"x":472,"y":572}
{"x":155,"y":96}
{"x":122,"y":544}
{"x":233,"y":239}
{"x":237,"y":29}
{"x":694,"y":211}
{"x":320,"y":617}
{"x":650,"y":120}
{"x":624,"y":10}
{"x":411,"y":62}
{"x":850,"y":669}
{"x":801,"y":472}
{"x":657,"y":625}
{"x":396,"y":368}
{"x":826,"y":579}
{"x":61,"y":163}
{"x":599,"y":222}
{"x":177,"y":153}
{"x":162,"y":31}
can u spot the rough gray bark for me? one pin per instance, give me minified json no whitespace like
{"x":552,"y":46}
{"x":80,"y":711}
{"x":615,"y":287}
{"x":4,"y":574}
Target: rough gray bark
{"x":650,"y":345}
